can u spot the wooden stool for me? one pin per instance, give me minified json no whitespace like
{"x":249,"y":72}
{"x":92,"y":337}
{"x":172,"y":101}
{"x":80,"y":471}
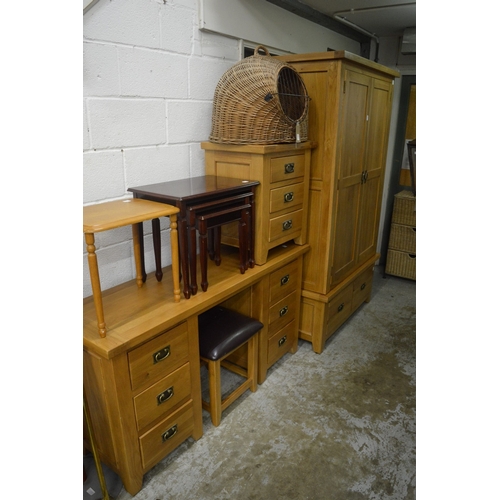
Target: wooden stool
{"x":221,"y":331}
{"x":114,"y":214}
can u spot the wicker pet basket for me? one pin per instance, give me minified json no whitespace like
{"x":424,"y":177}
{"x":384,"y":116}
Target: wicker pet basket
{"x":260,"y":100}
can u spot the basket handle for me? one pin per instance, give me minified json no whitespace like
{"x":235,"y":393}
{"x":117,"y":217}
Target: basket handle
{"x":260,"y":47}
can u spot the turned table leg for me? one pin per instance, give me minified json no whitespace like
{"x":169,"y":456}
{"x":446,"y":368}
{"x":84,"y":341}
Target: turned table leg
{"x":174,"y":245}
{"x":155,"y":224}
{"x":136,"y":235}
{"x":202,"y":230}
{"x":96,"y":283}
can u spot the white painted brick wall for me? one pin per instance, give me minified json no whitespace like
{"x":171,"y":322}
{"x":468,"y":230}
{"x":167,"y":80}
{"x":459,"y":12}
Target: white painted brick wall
{"x":149,"y":76}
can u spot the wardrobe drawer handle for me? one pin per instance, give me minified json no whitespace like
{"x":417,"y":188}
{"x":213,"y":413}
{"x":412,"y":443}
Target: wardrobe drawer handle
{"x":283,"y":311}
{"x":285,"y":279}
{"x":281,"y":341}
{"x":165,"y":395}
{"x":288,"y":197}
{"x":289,"y":168}
{"x":169,"y":434}
{"x":161,"y":354}
{"x":340,"y":307}
{"x":363,"y":286}
{"x":287,"y":225}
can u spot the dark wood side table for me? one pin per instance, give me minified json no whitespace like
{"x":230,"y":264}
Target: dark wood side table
{"x":184,"y":193}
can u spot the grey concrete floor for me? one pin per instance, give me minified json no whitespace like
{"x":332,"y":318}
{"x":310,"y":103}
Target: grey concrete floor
{"x":337,"y":425}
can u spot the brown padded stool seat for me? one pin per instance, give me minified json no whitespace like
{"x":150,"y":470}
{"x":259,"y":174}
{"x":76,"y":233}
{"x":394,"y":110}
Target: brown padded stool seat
{"x":222,"y":331}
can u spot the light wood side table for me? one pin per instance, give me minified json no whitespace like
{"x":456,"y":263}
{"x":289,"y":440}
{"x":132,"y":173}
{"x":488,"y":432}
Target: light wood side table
{"x":114,"y":214}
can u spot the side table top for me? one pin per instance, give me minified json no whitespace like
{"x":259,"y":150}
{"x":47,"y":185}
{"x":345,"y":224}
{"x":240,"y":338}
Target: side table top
{"x":113,"y":214}
{"x":193,"y":187}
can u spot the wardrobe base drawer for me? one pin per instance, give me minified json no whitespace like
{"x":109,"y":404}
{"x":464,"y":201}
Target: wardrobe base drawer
{"x":339,"y":309}
{"x":362,"y":288}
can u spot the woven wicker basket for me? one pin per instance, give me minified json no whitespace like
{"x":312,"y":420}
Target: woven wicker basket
{"x":403,"y":238}
{"x":260,"y":100}
{"x":401,"y":264}
{"x":405,"y":209}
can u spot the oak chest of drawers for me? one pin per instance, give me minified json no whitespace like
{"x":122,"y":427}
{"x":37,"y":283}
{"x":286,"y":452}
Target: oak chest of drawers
{"x":281,"y":199}
{"x":145,"y":401}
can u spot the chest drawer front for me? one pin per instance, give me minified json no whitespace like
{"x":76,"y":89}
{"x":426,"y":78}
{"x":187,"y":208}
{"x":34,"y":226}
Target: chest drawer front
{"x":283,"y":281}
{"x":282,"y":313}
{"x":281,"y":342}
{"x":287,"y":167}
{"x":288,"y":225}
{"x":286,"y":197}
{"x":166,"y":436}
{"x":159,"y":356}
{"x":362,"y":288}
{"x":339,"y":309}
{"x":162,"y":396}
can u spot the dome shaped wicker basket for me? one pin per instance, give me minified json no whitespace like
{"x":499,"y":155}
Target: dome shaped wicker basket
{"x":260,"y":100}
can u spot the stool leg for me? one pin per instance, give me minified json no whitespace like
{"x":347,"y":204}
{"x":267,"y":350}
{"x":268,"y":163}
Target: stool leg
{"x":155,"y":224}
{"x":252,"y":362}
{"x":96,"y":283}
{"x":214,"y":389}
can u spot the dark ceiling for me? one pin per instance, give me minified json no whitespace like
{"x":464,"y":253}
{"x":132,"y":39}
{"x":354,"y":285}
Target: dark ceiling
{"x":360,"y":20}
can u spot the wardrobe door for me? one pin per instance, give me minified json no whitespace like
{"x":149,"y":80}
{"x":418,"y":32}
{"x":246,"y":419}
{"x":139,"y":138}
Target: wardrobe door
{"x":374,"y":165}
{"x":350,"y":160}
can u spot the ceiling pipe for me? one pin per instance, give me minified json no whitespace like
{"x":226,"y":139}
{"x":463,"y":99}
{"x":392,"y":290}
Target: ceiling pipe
{"x":339,"y":17}
{"x":343,"y":20}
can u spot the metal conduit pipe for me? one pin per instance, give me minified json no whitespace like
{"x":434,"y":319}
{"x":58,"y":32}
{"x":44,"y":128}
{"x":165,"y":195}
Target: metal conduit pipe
{"x":343,"y":20}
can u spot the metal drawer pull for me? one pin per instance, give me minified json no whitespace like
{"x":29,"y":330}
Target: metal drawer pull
{"x":169,"y":434}
{"x":161,"y":355}
{"x":363,"y":286}
{"x":287,"y":225}
{"x":340,"y":307}
{"x":288,"y":197}
{"x":281,"y":341}
{"x":283,"y":311}
{"x":289,"y":168}
{"x":165,"y":395}
{"x":285,"y":279}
